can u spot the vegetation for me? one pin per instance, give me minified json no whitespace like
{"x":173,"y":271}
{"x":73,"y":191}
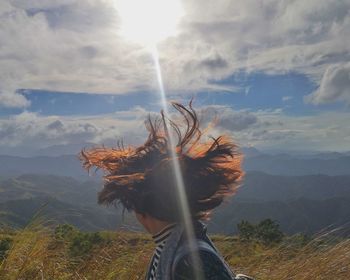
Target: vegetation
{"x":5,"y":244}
{"x":38,"y":252}
{"x":79,"y":243}
{"x":267,"y":231}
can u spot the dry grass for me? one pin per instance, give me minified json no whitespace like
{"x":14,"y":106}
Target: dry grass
{"x":36,"y":254}
{"x":319,"y":259}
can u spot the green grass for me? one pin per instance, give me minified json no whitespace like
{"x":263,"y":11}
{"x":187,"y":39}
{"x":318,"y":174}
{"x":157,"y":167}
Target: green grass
{"x":36,"y":252}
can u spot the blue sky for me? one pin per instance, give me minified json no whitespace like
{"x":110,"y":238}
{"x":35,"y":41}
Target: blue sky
{"x":277,"y":73}
{"x":255,"y":92}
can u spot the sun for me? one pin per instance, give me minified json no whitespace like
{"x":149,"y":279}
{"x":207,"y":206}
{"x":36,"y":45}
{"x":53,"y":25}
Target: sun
{"x":149,"y":21}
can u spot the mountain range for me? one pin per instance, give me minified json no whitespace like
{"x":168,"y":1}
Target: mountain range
{"x":306,"y":204}
{"x":279,"y":164}
{"x":304,"y":192}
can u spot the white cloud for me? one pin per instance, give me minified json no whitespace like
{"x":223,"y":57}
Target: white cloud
{"x":73,"y":45}
{"x":227,"y":118}
{"x":279,"y":131}
{"x":33,"y":130}
{"x":335,"y":85}
{"x":13,"y":99}
{"x":268,"y":129}
{"x":287,"y":98}
{"x":276,"y":130}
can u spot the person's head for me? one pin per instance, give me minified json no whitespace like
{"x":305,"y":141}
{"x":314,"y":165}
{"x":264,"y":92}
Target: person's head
{"x":142,"y":179}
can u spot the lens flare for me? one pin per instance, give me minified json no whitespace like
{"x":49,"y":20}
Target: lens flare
{"x":149,"y":22}
{"x":178,"y":177}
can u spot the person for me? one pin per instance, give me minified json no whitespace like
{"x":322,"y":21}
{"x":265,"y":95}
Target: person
{"x":142,"y":180}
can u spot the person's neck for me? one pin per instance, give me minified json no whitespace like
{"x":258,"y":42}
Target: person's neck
{"x":153,"y":226}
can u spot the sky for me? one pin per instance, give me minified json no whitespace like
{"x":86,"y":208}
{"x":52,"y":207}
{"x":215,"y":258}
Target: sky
{"x":275,"y":72}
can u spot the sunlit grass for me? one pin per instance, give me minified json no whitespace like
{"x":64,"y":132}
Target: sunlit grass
{"x":36,"y":253}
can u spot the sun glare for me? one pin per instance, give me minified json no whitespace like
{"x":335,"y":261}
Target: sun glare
{"x":149,"y":21}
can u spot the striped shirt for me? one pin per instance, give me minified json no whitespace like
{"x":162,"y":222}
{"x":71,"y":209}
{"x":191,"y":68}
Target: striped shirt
{"x":159,"y":238}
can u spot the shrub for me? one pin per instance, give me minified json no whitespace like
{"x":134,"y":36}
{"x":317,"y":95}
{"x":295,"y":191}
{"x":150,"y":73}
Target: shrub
{"x":65,"y":232}
{"x":246,"y":230}
{"x":83,"y":242}
{"x":79,"y":243}
{"x":5,"y":245}
{"x":267,"y":231}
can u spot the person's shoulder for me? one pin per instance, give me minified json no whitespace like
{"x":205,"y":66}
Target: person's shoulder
{"x":211,"y":267}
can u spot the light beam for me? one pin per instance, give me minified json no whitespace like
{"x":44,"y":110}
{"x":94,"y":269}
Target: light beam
{"x":148,"y":22}
{"x":182,"y":197}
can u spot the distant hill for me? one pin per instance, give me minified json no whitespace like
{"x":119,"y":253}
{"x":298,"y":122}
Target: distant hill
{"x":52,"y":151}
{"x":258,"y":186}
{"x":283,"y":164}
{"x":66,"y":200}
{"x":67,"y":165}
{"x":63,"y":188}
{"x":299,"y":203}
{"x":18,"y":213}
{"x":300,"y":215}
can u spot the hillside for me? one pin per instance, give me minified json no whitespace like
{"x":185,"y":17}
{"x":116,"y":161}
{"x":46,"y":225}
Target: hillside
{"x":18,"y":213}
{"x":259,"y":186}
{"x":36,"y":253}
{"x":283,"y":164}
{"x":58,"y":198}
{"x":299,"y":203}
{"x":65,"y":165}
{"x":300,"y":215}
{"x":64,"y":188}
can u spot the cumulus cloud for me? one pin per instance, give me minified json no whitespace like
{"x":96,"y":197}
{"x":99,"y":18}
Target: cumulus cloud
{"x":238,"y":121}
{"x":68,"y":46}
{"x":227,"y":118}
{"x":265,"y":129}
{"x":276,"y":130}
{"x":33,"y":130}
{"x":73,"y":45}
{"x":335,"y":85}
{"x":13,"y":99}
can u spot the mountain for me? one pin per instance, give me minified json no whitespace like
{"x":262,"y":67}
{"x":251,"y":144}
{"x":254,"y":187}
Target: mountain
{"x":258,"y":186}
{"x":65,"y":200}
{"x":58,"y":150}
{"x":281,"y":164}
{"x":299,"y":203}
{"x":300,"y":215}
{"x":18,"y":213}
{"x":52,"y":151}
{"x":323,"y":155}
{"x":63,"y":188}
{"x":284,"y":164}
{"x":66,"y":165}
{"x":250,"y":152}
{"x":308,"y":204}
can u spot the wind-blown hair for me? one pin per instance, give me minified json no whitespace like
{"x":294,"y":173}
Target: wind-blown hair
{"x":142,"y":179}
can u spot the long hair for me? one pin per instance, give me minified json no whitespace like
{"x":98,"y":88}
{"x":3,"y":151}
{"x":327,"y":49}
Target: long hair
{"x":141,"y":178}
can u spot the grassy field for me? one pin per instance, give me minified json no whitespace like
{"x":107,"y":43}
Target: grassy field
{"x":40,"y":253}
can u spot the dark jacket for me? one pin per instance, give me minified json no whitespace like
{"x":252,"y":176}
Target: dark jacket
{"x":176,"y":261}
